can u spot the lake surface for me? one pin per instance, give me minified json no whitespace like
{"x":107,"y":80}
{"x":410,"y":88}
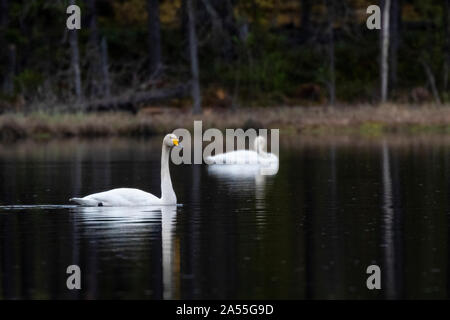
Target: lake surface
{"x":335,"y":207}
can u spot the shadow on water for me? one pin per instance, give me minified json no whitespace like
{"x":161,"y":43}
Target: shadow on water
{"x":309,"y":231}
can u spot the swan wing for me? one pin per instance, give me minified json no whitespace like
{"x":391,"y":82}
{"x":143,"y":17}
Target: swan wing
{"x":243,"y":157}
{"x":122,"y":197}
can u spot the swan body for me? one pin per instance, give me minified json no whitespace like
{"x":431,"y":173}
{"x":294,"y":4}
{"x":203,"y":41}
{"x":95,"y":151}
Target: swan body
{"x":126,"y":197}
{"x":121,"y":197}
{"x":257,"y":156}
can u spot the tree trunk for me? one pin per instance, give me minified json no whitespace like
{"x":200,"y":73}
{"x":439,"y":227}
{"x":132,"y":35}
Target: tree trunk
{"x":93,"y":52}
{"x":215,"y":18}
{"x":447,"y":43}
{"x":154,"y":37}
{"x":4,"y":12}
{"x":222,"y":20}
{"x":431,"y":81}
{"x":395,"y":26}
{"x":184,"y":25}
{"x":8,"y":83}
{"x":4,"y":20}
{"x":92,"y":22}
{"x":195,"y":85}
{"x":331,"y":56}
{"x":385,"y":50}
{"x":105,"y":69}
{"x":305,"y":6}
{"x":75,"y":60}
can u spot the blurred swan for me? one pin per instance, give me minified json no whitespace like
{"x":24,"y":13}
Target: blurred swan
{"x":256,"y":156}
{"x":123,"y":197}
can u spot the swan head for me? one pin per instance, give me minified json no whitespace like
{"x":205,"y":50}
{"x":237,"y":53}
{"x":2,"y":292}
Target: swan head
{"x":171,"y":140}
{"x":260,"y":144}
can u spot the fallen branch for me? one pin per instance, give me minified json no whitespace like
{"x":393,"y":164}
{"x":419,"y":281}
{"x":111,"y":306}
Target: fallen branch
{"x":131,"y":102}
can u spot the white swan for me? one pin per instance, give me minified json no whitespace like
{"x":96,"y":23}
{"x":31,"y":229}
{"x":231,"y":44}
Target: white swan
{"x":256,"y":156}
{"x":125,"y":197}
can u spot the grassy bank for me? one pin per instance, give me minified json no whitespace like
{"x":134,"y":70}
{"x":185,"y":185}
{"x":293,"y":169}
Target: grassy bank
{"x":363,"y":120}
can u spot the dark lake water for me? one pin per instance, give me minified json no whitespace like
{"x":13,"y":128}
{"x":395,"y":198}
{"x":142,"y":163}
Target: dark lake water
{"x":335,"y":207}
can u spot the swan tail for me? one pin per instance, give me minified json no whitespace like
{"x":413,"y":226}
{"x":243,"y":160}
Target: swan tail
{"x":84,"y":202}
{"x":209,"y":160}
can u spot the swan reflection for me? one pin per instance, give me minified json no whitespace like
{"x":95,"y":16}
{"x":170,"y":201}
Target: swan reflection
{"x":244,"y":178}
{"x":123,"y":225}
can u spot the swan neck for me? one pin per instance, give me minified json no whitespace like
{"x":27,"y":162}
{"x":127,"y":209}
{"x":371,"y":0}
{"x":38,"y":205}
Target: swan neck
{"x":167,"y":193}
{"x":259,"y":146}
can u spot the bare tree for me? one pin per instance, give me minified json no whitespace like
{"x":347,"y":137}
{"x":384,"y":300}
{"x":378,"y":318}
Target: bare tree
{"x":431,"y":81}
{"x":215,"y":18}
{"x":446,"y":11}
{"x":75,"y":60}
{"x":93,"y":49}
{"x":331,"y":57}
{"x":154,"y":36}
{"x":195,"y":85}
{"x":8,"y":83}
{"x":4,"y":13}
{"x":105,"y":69}
{"x":384,"y":67}
{"x":92,"y":22}
{"x":97,"y":55}
{"x":223,"y":25}
{"x":305,"y":7}
{"x":4,"y":20}
{"x":5,"y":55}
{"x":395,"y":28}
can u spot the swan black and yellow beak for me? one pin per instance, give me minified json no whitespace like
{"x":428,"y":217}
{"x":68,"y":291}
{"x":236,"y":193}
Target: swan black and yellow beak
{"x":175,"y":142}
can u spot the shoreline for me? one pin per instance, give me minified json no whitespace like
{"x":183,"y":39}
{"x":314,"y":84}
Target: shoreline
{"x":361,"y":120}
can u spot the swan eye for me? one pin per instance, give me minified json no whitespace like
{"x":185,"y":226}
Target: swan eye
{"x":175,"y":142}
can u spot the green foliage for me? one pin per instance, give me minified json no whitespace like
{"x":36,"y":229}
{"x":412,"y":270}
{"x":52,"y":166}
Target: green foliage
{"x":28,"y":81}
{"x":261,"y":70}
{"x":266,"y":68}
